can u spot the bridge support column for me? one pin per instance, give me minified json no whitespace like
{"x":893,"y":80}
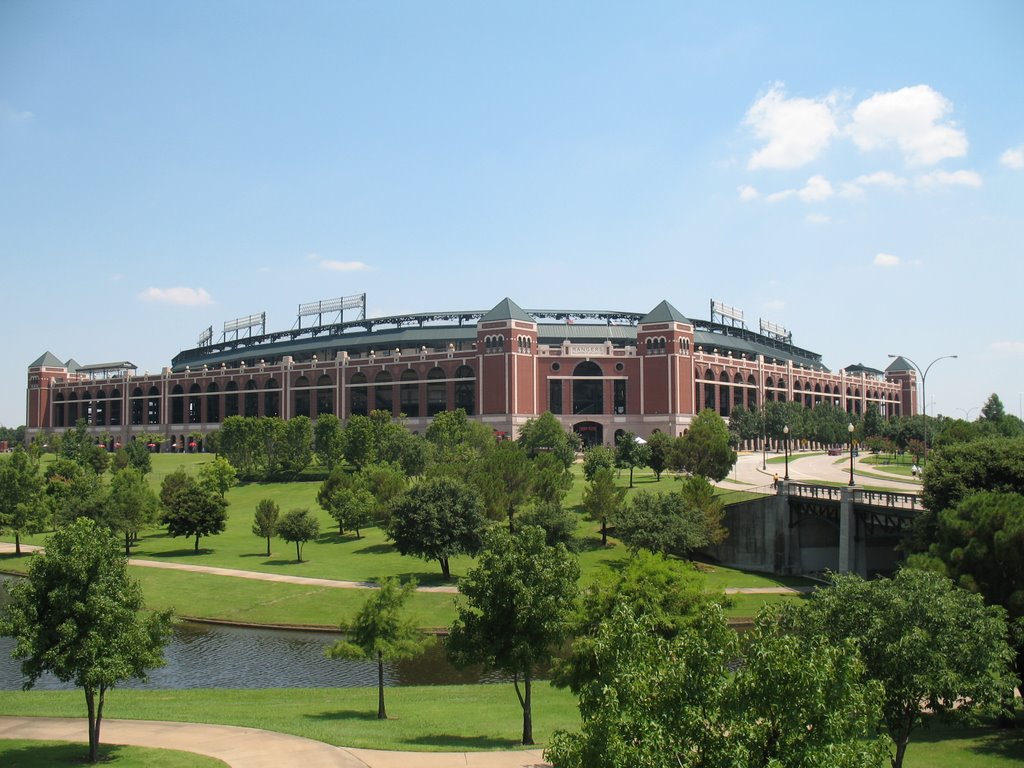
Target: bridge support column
{"x":778,"y":534}
{"x":852,"y":554}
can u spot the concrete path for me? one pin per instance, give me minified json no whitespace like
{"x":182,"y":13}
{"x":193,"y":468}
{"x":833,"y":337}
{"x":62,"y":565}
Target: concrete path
{"x":253,"y":748}
{"x":804,"y":468}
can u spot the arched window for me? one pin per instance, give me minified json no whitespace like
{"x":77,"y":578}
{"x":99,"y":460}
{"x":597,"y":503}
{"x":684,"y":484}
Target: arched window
{"x":383,"y":397}
{"x":194,"y":404}
{"x":301,"y":390}
{"x":324,"y":394}
{"x":437,"y":398}
{"x":465,"y":387}
{"x":252,"y":399}
{"x":358,"y":396}
{"x":177,"y":405}
{"x":271,"y":399}
{"x":114,"y":408}
{"x":409,"y":393}
{"x":72,"y":409}
{"x":213,"y":403}
{"x":230,"y":399}
{"x":99,"y":410}
{"x":136,"y":406}
{"x":587,"y":388}
{"x":58,"y":407}
{"x":153,"y":406}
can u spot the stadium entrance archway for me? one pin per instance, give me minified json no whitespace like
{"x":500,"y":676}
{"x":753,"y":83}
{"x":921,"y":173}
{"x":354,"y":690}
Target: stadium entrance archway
{"x":591,"y":433}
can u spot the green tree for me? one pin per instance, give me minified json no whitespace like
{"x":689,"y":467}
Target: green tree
{"x":873,"y":423}
{"x":455,"y":442}
{"x":673,"y":523}
{"x":193,"y":510}
{"x":437,"y":519}
{"x":265,"y":520}
{"x":78,"y":616}
{"x":503,"y":478}
{"x":328,"y":440}
{"x":295,"y":446}
{"x":704,"y":449}
{"x":670,"y":593}
{"x":359,"y":441}
{"x":385,"y":482}
{"x":298,"y":526}
{"x":558,"y":523}
{"x":545,"y":434}
{"x":925,"y":640}
{"x":602,"y":500}
{"x":993,"y":409}
{"x":679,"y":701}
{"x":22,"y":499}
{"x":345,"y":497}
{"x":550,"y":479}
{"x":218,"y":476}
{"x":659,"y":447}
{"x":515,"y":609}
{"x":379,"y":632}
{"x":631,"y":451}
{"x":596,"y":457}
{"x":241,"y":443}
{"x":130,"y":506}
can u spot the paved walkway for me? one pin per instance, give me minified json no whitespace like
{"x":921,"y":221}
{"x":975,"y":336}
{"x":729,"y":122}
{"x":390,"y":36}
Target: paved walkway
{"x":817,"y":467}
{"x":253,"y":748}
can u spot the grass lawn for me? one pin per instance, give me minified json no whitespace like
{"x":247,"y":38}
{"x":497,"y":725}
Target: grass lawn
{"x":21,"y":753}
{"x":342,"y":557}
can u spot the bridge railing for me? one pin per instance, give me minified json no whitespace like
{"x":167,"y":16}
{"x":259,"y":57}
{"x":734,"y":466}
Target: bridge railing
{"x":887,"y":499}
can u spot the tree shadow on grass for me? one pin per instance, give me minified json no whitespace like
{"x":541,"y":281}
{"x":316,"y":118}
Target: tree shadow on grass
{"x":988,"y":738}
{"x":190,"y":552}
{"x":377,"y":549}
{"x":56,"y":754}
{"x":339,"y":715}
{"x":333,"y":537}
{"x":455,"y":743}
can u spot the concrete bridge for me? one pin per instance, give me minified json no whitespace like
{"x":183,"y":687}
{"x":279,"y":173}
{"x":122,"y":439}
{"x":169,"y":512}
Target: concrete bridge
{"x":808,"y":528}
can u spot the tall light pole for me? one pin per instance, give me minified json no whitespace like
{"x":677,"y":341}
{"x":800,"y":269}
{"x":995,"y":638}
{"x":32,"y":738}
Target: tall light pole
{"x":785,"y":432}
{"x":967,"y":412}
{"x":924,"y":394}
{"x":849,"y":429}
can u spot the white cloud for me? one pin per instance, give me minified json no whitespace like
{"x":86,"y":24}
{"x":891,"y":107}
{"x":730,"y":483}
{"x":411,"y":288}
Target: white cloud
{"x":343,"y":266}
{"x":885,"y":179}
{"x":816,"y":190}
{"x":937,"y":179}
{"x":1008,"y":348}
{"x":1013,"y":158}
{"x":886,"y":260}
{"x":818,"y":218}
{"x":795,"y":130}
{"x":9,"y":114}
{"x":912,"y":119}
{"x":748,"y":192}
{"x":179,"y":295}
{"x":775,"y":305}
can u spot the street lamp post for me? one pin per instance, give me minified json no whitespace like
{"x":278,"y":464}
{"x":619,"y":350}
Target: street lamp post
{"x":785,"y":432}
{"x":849,"y":428}
{"x":967,"y":412}
{"x":924,"y":397}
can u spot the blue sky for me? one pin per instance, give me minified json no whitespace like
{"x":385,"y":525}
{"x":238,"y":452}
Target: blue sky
{"x":851,"y":171}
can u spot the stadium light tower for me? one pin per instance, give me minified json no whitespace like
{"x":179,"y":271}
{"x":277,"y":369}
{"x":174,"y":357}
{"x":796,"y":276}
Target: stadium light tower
{"x":924,"y":394}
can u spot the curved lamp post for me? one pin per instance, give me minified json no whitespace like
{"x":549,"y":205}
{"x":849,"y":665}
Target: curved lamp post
{"x":924,"y":397}
{"x":849,"y":429}
{"x":785,"y":432}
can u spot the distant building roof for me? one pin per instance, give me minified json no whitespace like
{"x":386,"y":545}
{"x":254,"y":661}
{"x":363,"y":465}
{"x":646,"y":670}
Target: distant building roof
{"x":664,"y":313}
{"x":47,"y":360}
{"x":900,"y":364}
{"x":506,"y":309}
{"x":861,"y":368}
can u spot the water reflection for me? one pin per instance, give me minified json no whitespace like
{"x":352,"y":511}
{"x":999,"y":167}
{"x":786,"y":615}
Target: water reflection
{"x":211,"y":656}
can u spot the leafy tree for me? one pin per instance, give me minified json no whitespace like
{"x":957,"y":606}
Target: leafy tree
{"x":993,"y":409}
{"x":78,"y":616}
{"x":873,"y":423}
{"x":673,"y":523}
{"x":980,"y":543}
{"x":550,"y":479}
{"x":299,"y":526}
{"x":602,"y":500}
{"x":73,"y":491}
{"x":436,"y":519}
{"x":359,"y":441}
{"x":704,"y":449}
{"x":294,"y":449}
{"x":669,"y":593}
{"x":218,"y":476}
{"x":385,"y":482}
{"x":503,"y":477}
{"x":345,"y":497}
{"x":328,"y":440}
{"x":22,"y":502}
{"x":455,"y":442}
{"x":545,"y":434}
{"x":558,"y":523}
{"x":379,"y":632}
{"x":265,"y":520}
{"x":676,"y":701}
{"x":172,"y":484}
{"x":515,"y":609}
{"x":596,"y":457}
{"x":193,"y":510}
{"x":631,"y":452}
{"x":241,"y":443}
{"x":131,"y":505}
{"x":659,"y":446}
{"x":925,"y":640}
